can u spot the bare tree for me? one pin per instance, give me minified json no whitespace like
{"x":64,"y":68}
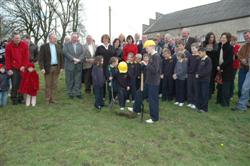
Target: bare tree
{"x":38,"y":18}
{"x":68,"y":12}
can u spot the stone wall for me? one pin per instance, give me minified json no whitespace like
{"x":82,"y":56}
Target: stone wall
{"x":232,"y":26}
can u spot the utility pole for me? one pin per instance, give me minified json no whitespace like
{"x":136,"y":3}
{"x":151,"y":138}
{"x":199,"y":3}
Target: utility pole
{"x":109,"y":18}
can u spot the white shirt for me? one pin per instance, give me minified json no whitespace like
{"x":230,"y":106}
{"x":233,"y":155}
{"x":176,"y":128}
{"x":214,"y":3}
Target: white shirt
{"x":91,"y":50}
{"x":74,"y":46}
{"x":107,"y":47}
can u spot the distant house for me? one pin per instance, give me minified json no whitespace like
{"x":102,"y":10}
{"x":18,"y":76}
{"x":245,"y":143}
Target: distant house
{"x":223,"y":16}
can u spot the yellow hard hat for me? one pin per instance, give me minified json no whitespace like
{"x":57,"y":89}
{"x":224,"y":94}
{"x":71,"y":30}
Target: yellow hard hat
{"x":149,"y":43}
{"x":123,"y":67}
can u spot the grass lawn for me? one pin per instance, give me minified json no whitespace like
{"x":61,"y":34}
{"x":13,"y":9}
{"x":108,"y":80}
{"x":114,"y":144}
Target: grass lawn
{"x":73,"y":133}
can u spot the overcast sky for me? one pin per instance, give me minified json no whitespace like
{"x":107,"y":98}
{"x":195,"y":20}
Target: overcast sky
{"x":129,"y":15}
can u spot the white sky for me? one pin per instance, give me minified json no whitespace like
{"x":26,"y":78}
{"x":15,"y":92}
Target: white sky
{"x":129,"y":15}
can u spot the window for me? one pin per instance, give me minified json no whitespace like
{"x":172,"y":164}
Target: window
{"x":240,"y":36}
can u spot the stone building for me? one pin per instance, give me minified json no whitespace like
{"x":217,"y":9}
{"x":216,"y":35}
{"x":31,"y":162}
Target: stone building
{"x":223,"y":16}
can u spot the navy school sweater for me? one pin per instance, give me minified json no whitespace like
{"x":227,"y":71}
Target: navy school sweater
{"x":153,"y":70}
{"x":168,"y":66}
{"x":192,"y":64}
{"x":98,"y":76}
{"x":204,"y":69}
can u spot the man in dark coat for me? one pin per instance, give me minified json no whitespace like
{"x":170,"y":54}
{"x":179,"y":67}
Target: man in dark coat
{"x":188,"y":41}
{"x":51,"y":63}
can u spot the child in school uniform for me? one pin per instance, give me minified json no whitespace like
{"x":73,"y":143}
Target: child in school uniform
{"x":111,"y":71}
{"x":98,"y":81}
{"x":191,"y":80}
{"x":123,"y":82}
{"x":138,"y":59}
{"x":132,"y":75}
{"x":203,"y":75}
{"x":4,"y":86}
{"x":180,"y":47}
{"x":180,"y":76}
{"x":29,"y":84}
{"x":168,"y":65}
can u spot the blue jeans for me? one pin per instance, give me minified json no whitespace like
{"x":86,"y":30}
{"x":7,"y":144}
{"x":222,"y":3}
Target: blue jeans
{"x":241,"y":79}
{"x":243,"y":101}
{"x":3,"y":98}
{"x":151,"y":92}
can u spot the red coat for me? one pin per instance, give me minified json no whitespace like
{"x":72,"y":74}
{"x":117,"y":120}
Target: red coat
{"x":16,"y":56}
{"x":236,"y":63}
{"x":127,"y":49}
{"x":29,"y":83}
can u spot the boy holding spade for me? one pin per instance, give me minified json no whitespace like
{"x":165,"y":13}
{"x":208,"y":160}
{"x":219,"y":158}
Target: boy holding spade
{"x":152,"y":82}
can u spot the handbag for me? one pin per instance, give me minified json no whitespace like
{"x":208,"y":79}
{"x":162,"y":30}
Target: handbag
{"x":218,"y":78}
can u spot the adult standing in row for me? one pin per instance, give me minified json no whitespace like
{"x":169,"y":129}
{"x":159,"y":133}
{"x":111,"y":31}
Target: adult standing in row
{"x":90,"y":49}
{"x":187,"y":40}
{"x":117,"y":47}
{"x":33,"y":50}
{"x":106,"y":51}
{"x":51,"y":64}
{"x":74,"y":54}
{"x":140,"y":48}
{"x":211,"y":49}
{"x":236,"y":62}
{"x":17,"y":57}
{"x":225,"y":66}
{"x":243,"y":55}
{"x":169,"y":43}
{"x":130,"y":47}
{"x":122,"y":40}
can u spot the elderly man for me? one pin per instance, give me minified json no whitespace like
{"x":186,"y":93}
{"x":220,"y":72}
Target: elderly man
{"x":141,"y":50}
{"x":243,"y":55}
{"x":74,"y":54}
{"x":187,"y":40}
{"x":88,"y":61}
{"x":51,"y":63}
{"x":169,"y":43}
{"x":17,"y":57}
{"x":33,"y":51}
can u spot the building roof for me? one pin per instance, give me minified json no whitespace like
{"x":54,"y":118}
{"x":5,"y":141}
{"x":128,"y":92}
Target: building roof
{"x":214,"y":12}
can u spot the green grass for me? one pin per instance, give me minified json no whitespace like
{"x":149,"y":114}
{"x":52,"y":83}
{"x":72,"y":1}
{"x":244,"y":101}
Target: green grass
{"x":74,"y":133}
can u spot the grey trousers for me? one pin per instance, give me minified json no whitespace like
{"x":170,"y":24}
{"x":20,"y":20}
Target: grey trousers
{"x":74,"y":82}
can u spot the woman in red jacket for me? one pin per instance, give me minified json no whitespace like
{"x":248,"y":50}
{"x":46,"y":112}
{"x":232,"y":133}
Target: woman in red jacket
{"x":29,"y":84}
{"x":130,"y":47}
{"x":236,"y":62}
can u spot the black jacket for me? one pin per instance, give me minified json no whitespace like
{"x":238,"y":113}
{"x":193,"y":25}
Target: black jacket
{"x":168,"y":66}
{"x":227,"y":65}
{"x":192,"y":64}
{"x":204,"y":69}
{"x":106,"y":54}
{"x":190,"y":41}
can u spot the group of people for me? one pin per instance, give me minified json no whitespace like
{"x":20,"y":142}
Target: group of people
{"x":131,"y":69}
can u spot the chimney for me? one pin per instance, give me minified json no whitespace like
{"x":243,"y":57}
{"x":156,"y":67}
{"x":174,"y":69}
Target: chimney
{"x":144,"y":27}
{"x":158,"y":15}
{"x":151,"y":21}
